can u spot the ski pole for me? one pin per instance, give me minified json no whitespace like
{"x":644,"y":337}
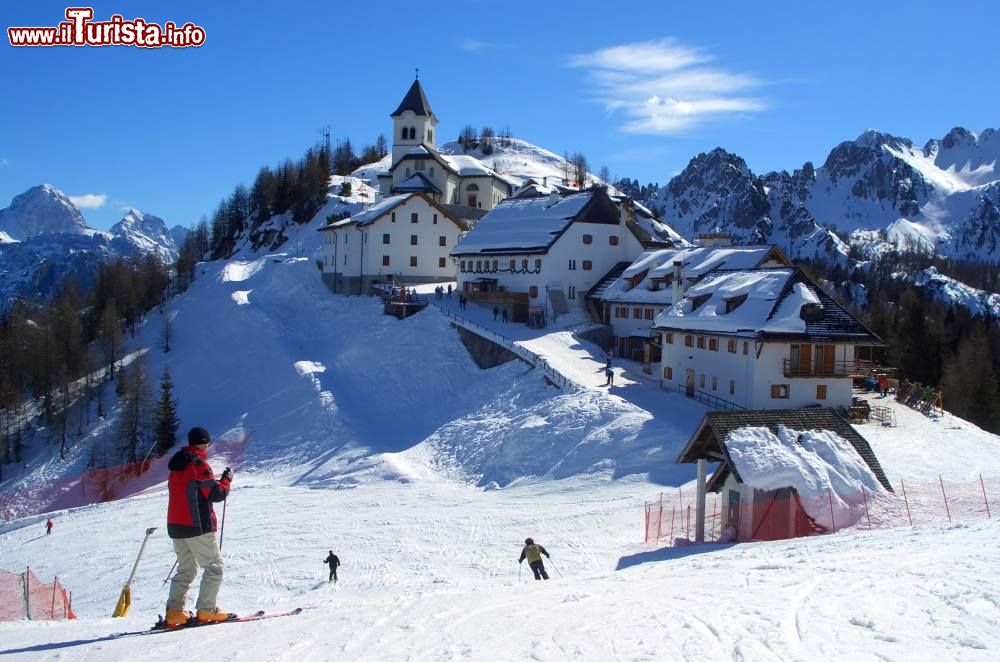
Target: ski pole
{"x":222,"y":528}
{"x":170,"y":574}
{"x":555,"y":568}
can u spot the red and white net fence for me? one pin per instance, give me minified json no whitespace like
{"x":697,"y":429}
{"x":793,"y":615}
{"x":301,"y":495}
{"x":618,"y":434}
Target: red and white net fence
{"x":23,"y":596}
{"x":784,"y":514}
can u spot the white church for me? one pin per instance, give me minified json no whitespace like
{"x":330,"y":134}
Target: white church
{"x":428,"y":201}
{"x":418,"y":167}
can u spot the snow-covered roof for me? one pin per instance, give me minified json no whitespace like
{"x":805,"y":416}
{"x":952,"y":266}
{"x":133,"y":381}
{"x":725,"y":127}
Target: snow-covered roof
{"x":767,"y":303}
{"x":416,"y":182}
{"x":467,"y":166}
{"x":372,"y":213}
{"x":521,"y":225}
{"x":695,"y":263}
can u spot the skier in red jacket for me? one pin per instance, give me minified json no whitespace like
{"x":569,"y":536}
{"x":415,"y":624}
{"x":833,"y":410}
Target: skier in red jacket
{"x":191,"y":524}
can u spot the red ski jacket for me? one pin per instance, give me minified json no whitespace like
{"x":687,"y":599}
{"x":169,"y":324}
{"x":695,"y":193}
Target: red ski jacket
{"x":193,"y":489}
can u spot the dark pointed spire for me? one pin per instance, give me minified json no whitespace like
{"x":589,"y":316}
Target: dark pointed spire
{"x":414,"y":100}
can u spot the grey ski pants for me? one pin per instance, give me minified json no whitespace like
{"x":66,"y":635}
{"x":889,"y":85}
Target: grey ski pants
{"x":201,"y":551}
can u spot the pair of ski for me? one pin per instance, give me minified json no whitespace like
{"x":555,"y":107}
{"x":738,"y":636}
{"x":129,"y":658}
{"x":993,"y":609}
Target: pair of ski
{"x":160,"y":627}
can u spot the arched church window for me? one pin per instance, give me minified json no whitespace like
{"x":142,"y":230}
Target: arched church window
{"x":430,"y":135}
{"x":472,"y":187}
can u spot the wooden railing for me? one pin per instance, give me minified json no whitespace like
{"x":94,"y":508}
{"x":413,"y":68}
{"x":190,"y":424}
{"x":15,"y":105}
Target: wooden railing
{"x":832,"y":369}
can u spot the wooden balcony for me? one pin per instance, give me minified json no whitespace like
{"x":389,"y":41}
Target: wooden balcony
{"x":827,"y":369}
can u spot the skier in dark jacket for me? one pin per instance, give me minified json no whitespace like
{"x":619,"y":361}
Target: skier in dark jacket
{"x":533,"y":553}
{"x":191,"y":524}
{"x":333,"y":562}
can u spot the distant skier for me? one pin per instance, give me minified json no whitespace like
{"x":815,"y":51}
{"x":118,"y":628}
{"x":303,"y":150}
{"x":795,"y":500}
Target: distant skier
{"x":48,"y":527}
{"x":333,"y":562}
{"x":533,"y":553}
{"x":191,"y":524}
{"x":610,"y":374}
{"x":496,"y":311}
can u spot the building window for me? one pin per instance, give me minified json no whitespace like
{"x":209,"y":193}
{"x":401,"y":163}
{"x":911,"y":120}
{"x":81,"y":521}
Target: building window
{"x":393,"y":217}
{"x":715,"y":383}
{"x":442,"y":241}
{"x":689,"y":341}
{"x":524,"y":265}
{"x":435,"y":221}
{"x":701,"y":380}
{"x":621,"y":312}
{"x":713,"y":344}
{"x":572,"y":292}
{"x":572,"y":265}
{"x":385,"y":260}
{"x":413,"y":240}
{"x":496,"y":265}
{"x":431,"y":171}
{"x":413,"y":217}
{"x":512,"y":265}
{"x":668,"y":338}
{"x":701,"y":342}
{"x":385,"y":238}
{"x":668,"y":373}
{"x":746,"y":348}
{"x":538,"y":265}
{"x":779,"y":391}
{"x":613,"y":240}
{"x":648,"y":314}
{"x":587,"y":265}
{"x":479,"y":265}
{"x":731,"y":346}
{"x":413,"y":260}
{"x":461,"y":266}
{"x":732,"y":387}
{"x":821,"y":391}
{"x":441,"y":263}
{"x":637,"y":313}
{"x":533,"y":292}
{"x":588,"y":238}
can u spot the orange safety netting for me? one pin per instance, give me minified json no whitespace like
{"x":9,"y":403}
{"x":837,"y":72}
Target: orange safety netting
{"x":25,"y":596}
{"x":781,"y":514}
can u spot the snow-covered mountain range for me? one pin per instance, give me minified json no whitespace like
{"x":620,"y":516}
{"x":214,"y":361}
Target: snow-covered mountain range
{"x":44,"y":239}
{"x":878,"y":191}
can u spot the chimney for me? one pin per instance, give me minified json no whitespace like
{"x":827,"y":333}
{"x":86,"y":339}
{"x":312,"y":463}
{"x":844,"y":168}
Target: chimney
{"x":678,"y":288}
{"x":553,"y":197}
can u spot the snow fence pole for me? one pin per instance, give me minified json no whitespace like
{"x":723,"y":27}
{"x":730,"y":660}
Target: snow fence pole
{"x":673,"y":511}
{"x":906,"y":501}
{"x":52,"y":610}
{"x":985,"y":500}
{"x":27,"y":594}
{"x":945,"y":497}
{"x":864,"y":495}
{"x":833,"y":522}
{"x":659,"y":520}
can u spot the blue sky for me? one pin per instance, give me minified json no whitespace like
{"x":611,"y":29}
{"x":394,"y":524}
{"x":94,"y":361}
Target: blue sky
{"x":640,"y":87}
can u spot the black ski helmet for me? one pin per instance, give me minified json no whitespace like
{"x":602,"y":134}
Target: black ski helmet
{"x":529,"y":541}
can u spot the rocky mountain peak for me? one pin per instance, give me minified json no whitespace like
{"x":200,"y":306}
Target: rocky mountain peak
{"x":41,"y":209}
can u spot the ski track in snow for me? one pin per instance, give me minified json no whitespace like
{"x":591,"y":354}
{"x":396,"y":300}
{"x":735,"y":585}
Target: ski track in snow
{"x":373,"y":437}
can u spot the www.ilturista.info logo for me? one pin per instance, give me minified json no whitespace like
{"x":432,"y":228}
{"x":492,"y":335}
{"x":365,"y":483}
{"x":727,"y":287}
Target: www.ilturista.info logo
{"x":81,"y":30}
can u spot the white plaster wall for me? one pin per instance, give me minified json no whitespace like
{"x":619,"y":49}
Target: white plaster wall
{"x":399,"y":249}
{"x":624,"y":327}
{"x":753,"y":376}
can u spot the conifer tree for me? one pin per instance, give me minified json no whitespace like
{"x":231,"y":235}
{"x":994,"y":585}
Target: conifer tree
{"x":969,"y":384}
{"x":167,"y":422}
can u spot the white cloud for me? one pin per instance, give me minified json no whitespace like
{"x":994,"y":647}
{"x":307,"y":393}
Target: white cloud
{"x":89,"y":200}
{"x":473,"y":45}
{"x":665,"y":87}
